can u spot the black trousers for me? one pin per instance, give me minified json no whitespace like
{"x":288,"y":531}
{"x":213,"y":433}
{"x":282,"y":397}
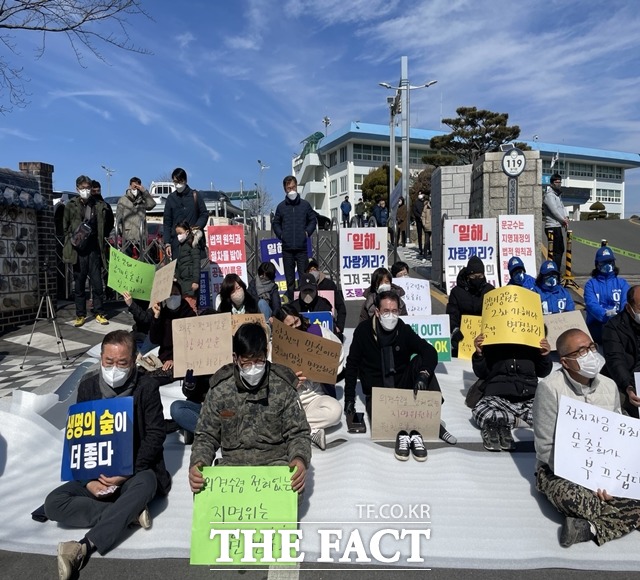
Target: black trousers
{"x":88,"y":265}
{"x":290,"y":260}
{"x":558,"y":245}
{"x":419,"y":230}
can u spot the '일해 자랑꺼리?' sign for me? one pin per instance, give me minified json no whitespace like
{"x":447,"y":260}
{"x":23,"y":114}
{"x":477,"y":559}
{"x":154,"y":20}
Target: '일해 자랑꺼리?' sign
{"x":362,"y":250}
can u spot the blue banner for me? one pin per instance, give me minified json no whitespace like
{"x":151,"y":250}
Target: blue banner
{"x":322,"y":318}
{"x":98,"y":439}
{"x":204,"y":298}
{"x":271,"y":251}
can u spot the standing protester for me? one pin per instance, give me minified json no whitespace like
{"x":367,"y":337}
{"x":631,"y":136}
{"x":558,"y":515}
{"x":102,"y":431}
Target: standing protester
{"x":555,"y":217}
{"x":416,"y":214}
{"x":131,"y":216}
{"x":401,"y":221}
{"x":360,"y":209}
{"x":293,"y":223}
{"x":381,"y":213}
{"x":426,"y":224}
{"x":86,"y":221}
{"x":188,"y":267}
{"x":183,"y":205}
{"x":345,"y":208}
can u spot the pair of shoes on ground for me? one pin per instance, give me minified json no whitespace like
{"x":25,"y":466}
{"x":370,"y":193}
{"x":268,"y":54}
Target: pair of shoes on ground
{"x":80,"y":320}
{"x":496,"y":435}
{"x":574,"y":531}
{"x":410,"y":444}
{"x":319,"y":439}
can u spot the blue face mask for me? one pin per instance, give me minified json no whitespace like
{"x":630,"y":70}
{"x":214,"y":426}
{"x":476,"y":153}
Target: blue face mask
{"x":606,"y":268}
{"x":518,"y":278}
{"x":551,"y":281}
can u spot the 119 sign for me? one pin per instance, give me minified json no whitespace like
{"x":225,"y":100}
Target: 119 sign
{"x":513,"y":162}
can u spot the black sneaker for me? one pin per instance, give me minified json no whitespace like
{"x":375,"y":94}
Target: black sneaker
{"x":490,"y":436}
{"x":403,"y":445}
{"x":417,"y":446}
{"x":574,"y":531}
{"x":504,"y":434}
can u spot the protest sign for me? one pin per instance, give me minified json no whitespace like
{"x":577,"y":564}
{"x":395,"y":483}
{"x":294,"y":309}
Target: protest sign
{"x":316,"y":357}
{"x":257,"y":500}
{"x":435,"y":330}
{"x":201,"y":343}
{"x":417,"y":295}
{"x":512,"y":315}
{"x":556,"y":324}
{"x":129,"y":275}
{"x":324,"y":319}
{"x":237,"y":320}
{"x":227,"y":254}
{"x":516,"y":237}
{"x":466,"y":238}
{"x":597,"y":449}
{"x":162,"y":282}
{"x":361,"y":252}
{"x":271,"y":251}
{"x":98,"y":439}
{"x":204,"y":296}
{"x":396,"y":409}
{"x":470,"y":326}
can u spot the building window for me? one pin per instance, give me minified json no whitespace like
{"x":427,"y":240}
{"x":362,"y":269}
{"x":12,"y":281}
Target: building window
{"x":364,"y":152}
{"x":343,"y":154}
{"x":608,"y":172}
{"x":609,"y":195}
{"x":343,"y":184}
{"x":358,"y":178}
{"x":333,"y":159}
{"x":580,"y":169}
{"x":415,"y":156}
{"x":333,"y":187}
{"x":559,"y":167}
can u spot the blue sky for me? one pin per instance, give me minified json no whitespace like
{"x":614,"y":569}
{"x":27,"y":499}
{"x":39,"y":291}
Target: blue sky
{"x":231,"y":82}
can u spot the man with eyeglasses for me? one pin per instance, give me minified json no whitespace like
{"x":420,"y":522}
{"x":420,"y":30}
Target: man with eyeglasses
{"x":253,"y":413}
{"x":589,"y":515}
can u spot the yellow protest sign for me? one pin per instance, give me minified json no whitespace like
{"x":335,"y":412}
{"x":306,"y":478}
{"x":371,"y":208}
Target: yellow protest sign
{"x":512,"y":315}
{"x":470,"y":326}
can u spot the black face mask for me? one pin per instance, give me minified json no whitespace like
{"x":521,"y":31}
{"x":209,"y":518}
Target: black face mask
{"x":477,"y":283}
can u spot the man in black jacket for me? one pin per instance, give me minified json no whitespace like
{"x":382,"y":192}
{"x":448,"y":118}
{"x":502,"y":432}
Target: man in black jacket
{"x":621,"y":343}
{"x":416,"y":214}
{"x":108,"y":505}
{"x":326,"y":283}
{"x":293,"y":222}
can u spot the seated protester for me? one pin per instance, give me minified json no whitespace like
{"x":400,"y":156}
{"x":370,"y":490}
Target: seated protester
{"x":108,"y":505}
{"x":589,"y":515}
{"x":319,"y":403}
{"x":264,"y":288}
{"x":605,"y":293}
{"x":252,"y":412}
{"x":309,"y":300}
{"x":186,"y":413}
{"x":466,"y":298}
{"x":555,"y":298}
{"x":509,"y":374}
{"x":161,"y":331}
{"x":380,"y":282}
{"x":400,"y":270}
{"x":518,"y":274}
{"x":142,"y":322}
{"x":386,"y":352}
{"x":235,"y":298}
{"x":325,"y":283}
{"x":621,"y":345}
{"x":188,"y":266}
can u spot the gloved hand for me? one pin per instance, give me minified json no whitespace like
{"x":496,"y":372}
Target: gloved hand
{"x":456,"y":335}
{"x":611,"y":312}
{"x":349,"y":408}
{"x":422,"y":382}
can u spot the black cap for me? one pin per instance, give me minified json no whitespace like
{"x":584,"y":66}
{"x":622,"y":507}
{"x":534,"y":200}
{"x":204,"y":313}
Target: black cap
{"x":307,"y":282}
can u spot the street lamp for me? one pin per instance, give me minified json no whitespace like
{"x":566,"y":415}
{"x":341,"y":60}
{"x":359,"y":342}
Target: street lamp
{"x":326,"y":122}
{"x":263,"y":166}
{"x":110,"y":172}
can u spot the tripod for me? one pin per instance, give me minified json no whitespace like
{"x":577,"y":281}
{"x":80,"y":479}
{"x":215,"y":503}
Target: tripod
{"x":50,"y":317}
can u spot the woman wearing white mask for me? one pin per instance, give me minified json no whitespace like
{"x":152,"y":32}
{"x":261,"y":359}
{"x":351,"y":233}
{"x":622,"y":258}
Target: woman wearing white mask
{"x":235,"y":298}
{"x":380,"y":282}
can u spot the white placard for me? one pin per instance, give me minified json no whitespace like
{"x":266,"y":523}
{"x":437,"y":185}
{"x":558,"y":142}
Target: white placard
{"x":417,"y":295}
{"x":466,"y":238}
{"x":597,"y":449}
{"x":435,"y":330}
{"x":516,"y":238}
{"x":362,"y":250}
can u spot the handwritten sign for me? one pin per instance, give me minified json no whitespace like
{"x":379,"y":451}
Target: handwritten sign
{"x":361,"y":252}
{"x":470,"y":326}
{"x":597,"y":449}
{"x":251,"y":499}
{"x":417,"y":295}
{"x":396,"y":409}
{"x":201,"y":343}
{"x":556,"y":324}
{"x":162,"y":282}
{"x":516,"y":237}
{"x":98,"y":439}
{"x":237,"y":320}
{"x":317,"y":358}
{"x":512,"y":315}
{"x":435,"y":330}
{"x":129,"y":275}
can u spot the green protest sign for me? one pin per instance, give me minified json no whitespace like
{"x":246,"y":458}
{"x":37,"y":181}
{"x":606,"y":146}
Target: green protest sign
{"x":245,"y":516}
{"x":129,"y":275}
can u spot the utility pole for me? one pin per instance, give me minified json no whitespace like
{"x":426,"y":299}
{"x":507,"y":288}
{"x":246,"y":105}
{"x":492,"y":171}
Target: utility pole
{"x":109,"y":172}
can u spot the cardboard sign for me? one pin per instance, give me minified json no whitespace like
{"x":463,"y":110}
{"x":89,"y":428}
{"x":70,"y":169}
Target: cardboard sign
{"x":556,"y":324}
{"x":362,"y":250}
{"x":237,"y":320}
{"x":435,"y":330}
{"x":417,"y":295}
{"x":470,"y":326}
{"x":129,"y":275}
{"x":393,"y":410}
{"x":512,"y":315}
{"x":316,"y":357}
{"x":201,"y":343}
{"x":516,"y":237}
{"x":597,"y":449}
{"x":242,"y":498}
{"x":162,"y":282}
{"x":98,"y":439}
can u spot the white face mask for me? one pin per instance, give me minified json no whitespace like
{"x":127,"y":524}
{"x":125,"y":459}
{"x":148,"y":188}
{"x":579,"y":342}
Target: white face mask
{"x":114,"y":376}
{"x":421,"y":196}
{"x":389,"y":321}
{"x":315,"y":274}
{"x":180,"y":187}
{"x":590,"y":364}
{"x":134,"y":192}
{"x":636,"y":315}
{"x":253,"y":375}
{"x":292,"y":195}
{"x":237,"y":297}
{"x":384,"y":288}
{"x":174,"y":301}
{"x":181,"y":237}
{"x":84,"y":193}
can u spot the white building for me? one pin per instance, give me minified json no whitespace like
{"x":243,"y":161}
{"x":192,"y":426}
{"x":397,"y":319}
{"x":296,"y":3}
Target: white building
{"x":332,"y":167}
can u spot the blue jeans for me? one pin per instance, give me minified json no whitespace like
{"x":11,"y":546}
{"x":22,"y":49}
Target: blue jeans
{"x":264,"y":307}
{"x":185,"y":414}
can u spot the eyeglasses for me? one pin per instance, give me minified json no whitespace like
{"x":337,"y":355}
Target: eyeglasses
{"x":593,"y":347}
{"x":387,"y":313}
{"x":247,"y":365}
